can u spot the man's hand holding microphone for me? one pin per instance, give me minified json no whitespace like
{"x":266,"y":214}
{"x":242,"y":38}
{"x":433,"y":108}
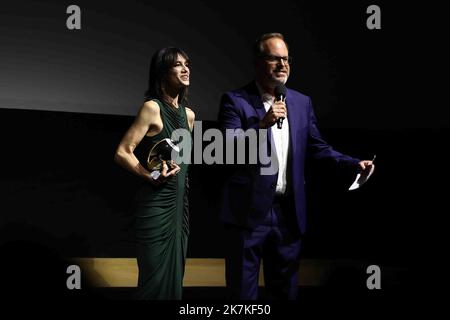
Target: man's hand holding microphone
{"x":277,"y":112}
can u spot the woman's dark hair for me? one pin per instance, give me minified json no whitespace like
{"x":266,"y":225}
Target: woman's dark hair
{"x":161,"y":62}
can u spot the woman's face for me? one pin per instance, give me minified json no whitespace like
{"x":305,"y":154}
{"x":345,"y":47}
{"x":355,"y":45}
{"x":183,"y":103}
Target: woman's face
{"x":178,"y":75}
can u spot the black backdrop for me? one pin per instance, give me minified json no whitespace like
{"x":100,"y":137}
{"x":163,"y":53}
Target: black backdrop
{"x":356,"y":77}
{"x":69,"y":193}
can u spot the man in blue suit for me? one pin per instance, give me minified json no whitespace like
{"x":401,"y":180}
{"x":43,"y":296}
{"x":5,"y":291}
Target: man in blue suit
{"x":265,"y":213}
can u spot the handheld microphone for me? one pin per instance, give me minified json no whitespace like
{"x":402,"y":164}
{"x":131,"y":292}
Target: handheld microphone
{"x":280,"y":94}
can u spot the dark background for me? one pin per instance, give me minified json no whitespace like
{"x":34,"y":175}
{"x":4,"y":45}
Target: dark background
{"x":67,"y":97}
{"x":357,"y":78}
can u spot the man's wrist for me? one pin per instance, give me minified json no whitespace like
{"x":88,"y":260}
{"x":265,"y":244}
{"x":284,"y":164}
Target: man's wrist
{"x":263,"y":125}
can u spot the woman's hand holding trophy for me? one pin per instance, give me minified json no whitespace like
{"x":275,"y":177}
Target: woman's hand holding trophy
{"x":160,"y":161}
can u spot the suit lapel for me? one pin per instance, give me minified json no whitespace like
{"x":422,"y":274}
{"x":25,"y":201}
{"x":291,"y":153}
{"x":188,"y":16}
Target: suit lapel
{"x":292,"y":116}
{"x":255,"y":100}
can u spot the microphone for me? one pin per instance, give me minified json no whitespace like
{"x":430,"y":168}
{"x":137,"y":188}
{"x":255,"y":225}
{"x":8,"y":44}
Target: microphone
{"x":280,"y":94}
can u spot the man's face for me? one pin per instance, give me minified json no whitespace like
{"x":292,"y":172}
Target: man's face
{"x":273,"y":69}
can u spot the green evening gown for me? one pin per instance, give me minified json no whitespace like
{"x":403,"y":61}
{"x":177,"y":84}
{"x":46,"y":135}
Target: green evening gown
{"x":162,"y":220}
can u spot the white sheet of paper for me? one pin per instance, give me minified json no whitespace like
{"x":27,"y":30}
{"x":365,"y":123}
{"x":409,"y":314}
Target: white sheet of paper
{"x":361,"y":179}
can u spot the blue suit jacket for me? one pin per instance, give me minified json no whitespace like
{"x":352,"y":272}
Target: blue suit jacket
{"x":248,"y":195}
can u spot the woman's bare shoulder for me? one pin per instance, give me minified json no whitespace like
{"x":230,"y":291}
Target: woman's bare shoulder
{"x":151,"y":106}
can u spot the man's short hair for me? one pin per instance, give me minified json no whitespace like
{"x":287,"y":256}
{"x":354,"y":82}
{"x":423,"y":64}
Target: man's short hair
{"x":258,"y":48}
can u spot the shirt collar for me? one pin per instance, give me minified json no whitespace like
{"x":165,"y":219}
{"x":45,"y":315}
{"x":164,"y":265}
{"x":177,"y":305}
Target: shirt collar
{"x":265,"y":97}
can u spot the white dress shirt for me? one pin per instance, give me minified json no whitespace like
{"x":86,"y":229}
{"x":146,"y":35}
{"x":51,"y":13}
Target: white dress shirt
{"x":281,"y":141}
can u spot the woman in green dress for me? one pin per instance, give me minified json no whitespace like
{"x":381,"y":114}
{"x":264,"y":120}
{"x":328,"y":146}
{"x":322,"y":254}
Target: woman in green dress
{"x":161,"y":204}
